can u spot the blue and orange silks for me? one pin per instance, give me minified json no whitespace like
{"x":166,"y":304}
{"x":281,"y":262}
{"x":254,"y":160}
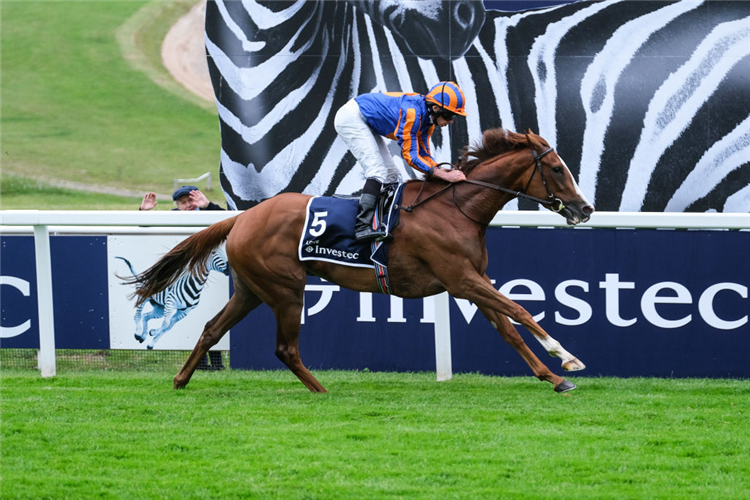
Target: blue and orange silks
{"x":402,"y":117}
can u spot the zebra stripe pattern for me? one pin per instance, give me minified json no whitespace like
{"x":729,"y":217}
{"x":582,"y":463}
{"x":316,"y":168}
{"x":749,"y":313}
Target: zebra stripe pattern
{"x":175,"y":302}
{"x":646,"y":101}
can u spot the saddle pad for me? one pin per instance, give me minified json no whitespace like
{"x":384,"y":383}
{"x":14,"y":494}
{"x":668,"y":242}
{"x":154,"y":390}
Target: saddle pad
{"x":329,"y":233}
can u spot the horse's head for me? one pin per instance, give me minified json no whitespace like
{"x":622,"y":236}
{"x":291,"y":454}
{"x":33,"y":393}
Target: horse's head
{"x":551,"y":180}
{"x":525,"y":165}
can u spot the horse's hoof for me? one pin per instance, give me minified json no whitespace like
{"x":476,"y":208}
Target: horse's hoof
{"x":139,"y":338}
{"x":574,"y":365}
{"x":178,"y":384}
{"x":149,"y":347}
{"x":565,"y":386}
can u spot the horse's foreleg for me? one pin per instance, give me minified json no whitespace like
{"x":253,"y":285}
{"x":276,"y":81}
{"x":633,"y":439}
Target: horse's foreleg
{"x":503,"y":325}
{"x":288,"y":314}
{"x":240,"y":304}
{"x":569,"y":362}
{"x":552,"y":346}
{"x":522,"y":316}
{"x":483,"y":294}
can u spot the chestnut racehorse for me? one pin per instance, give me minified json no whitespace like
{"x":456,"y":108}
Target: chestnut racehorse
{"x":438,"y":245}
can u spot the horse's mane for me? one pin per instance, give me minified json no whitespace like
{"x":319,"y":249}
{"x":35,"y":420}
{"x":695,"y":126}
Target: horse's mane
{"x":495,"y":142}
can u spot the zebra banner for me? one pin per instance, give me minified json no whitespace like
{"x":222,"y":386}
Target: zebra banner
{"x":170,"y":320}
{"x":93,"y":309}
{"x":647,"y":101}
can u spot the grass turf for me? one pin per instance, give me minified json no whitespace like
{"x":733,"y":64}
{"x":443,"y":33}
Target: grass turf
{"x":73,"y":108}
{"x":375,"y":435}
{"x":20,"y":193}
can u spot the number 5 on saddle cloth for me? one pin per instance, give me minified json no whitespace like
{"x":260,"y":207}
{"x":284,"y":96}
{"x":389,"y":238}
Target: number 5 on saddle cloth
{"x":329,"y":233}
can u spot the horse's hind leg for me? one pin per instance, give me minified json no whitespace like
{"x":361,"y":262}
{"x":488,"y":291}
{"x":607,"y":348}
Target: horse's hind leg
{"x":240,"y":304}
{"x":288,"y":314}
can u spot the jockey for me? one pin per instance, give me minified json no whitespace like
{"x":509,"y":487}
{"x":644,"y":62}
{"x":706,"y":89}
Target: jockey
{"x":407,"y":118}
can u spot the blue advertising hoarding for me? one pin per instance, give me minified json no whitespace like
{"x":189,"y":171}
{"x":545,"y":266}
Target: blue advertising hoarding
{"x":626,"y":302}
{"x":79,"y":290}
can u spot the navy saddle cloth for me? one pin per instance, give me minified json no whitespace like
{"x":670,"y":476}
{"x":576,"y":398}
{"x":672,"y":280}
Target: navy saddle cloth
{"x":329,"y":231}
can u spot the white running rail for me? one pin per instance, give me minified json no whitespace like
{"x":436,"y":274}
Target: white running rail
{"x":73,"y":221}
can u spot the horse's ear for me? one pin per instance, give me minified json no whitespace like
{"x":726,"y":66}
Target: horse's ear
{"x":532,"y":138}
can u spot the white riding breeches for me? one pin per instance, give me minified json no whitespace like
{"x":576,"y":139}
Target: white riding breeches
{"x":368,"y":147}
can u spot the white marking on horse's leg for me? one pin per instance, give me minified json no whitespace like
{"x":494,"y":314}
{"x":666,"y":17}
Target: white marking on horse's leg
{"x":569,"y":362}
{"x":554,"y":348}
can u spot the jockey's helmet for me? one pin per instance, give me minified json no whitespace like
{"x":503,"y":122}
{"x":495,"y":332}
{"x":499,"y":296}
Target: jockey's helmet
{"x":448,"y":96}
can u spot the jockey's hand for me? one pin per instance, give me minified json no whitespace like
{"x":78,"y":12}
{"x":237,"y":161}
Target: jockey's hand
{"x":198,"y":199}
{"x":149,"y":201}
{"x":452,"y":175}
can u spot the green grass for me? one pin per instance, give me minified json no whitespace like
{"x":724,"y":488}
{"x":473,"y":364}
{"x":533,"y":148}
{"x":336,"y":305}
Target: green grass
{"x":73,"y":108}
{"x":374,"y":435}
{"x":21,"y":193}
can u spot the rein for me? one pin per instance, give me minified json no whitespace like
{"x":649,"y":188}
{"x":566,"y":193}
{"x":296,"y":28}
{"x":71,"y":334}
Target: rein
{"x":553,"y":202}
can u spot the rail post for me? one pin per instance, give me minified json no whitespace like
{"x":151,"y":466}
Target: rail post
{"x":47,"y":362}
{"x":443,"y":357}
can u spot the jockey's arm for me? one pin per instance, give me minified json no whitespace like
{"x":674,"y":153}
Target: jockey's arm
{"x":418,"y":157}
{"x":415,"y":149}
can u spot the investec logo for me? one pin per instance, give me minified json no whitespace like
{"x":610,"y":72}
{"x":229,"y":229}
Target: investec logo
{"x":665,"y":304}
{"x":312,"y":247}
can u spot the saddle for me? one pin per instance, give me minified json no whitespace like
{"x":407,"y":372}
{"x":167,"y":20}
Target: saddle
{"x":328,"y":234}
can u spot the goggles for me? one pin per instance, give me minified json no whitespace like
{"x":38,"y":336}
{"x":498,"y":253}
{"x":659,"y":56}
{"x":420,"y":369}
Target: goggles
{"x":447,"y":115}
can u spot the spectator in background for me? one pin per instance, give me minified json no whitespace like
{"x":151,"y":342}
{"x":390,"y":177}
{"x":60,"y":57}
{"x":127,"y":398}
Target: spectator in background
{"x":186,"y":198}
{"x":189,"y":198}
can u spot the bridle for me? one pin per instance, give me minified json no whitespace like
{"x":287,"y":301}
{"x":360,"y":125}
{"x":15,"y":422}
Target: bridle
{"x":555,"y":204}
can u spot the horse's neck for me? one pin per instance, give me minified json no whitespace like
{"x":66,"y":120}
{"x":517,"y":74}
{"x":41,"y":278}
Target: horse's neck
{"x":485,"y":202}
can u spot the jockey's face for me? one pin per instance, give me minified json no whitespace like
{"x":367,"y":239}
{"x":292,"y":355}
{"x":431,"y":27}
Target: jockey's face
{"x":442,"y":117}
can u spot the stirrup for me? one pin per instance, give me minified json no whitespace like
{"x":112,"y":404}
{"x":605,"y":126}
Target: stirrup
{"x":368,"y":233}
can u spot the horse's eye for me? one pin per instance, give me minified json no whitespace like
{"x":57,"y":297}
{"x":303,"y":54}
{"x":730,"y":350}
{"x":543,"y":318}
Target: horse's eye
{"x":557,"y":170}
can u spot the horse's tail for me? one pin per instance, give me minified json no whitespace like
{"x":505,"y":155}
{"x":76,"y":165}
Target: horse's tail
{"x":191,"y":254}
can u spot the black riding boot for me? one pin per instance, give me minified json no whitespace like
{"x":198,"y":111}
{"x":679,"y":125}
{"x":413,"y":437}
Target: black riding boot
{"x":363,"y":227}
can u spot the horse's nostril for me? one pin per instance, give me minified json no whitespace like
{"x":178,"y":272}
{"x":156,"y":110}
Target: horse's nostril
{"x":588,"y":210}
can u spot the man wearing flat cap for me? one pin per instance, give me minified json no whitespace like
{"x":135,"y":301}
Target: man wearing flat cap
{"x":190,"y":198}
{"x":186,"y":198}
